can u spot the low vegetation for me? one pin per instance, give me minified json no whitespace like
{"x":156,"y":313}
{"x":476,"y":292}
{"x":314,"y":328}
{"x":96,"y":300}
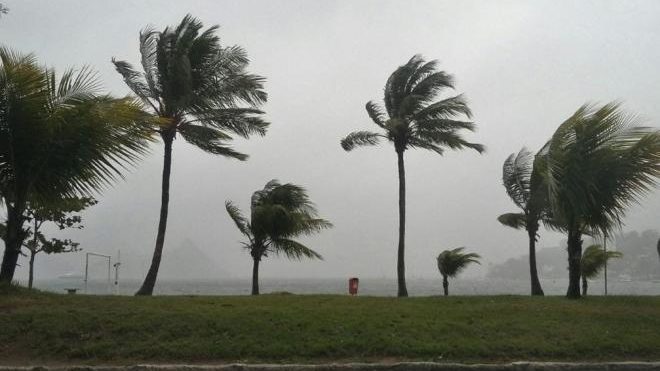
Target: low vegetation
{"x":46,"y":328}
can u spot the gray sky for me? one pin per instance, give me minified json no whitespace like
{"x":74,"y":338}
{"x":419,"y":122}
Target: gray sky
{"x":524,"y":65}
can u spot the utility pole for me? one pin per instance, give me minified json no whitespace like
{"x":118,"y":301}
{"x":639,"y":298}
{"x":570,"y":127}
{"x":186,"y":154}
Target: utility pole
{"x":605,"y":250}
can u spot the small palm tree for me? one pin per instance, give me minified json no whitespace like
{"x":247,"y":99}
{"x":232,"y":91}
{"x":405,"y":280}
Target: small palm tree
{"x":525,"y":187}
{"x":59,"y":137}
{"x":199,"y":90}
{"x":453,"y":262}
{"x":414,"y":118}
{"x":597,"y":163}
{"x":278,"y":214}
{"x":594,"y":259}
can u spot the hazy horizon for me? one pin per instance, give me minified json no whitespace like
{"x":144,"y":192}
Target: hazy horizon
{"x":525,"y":66}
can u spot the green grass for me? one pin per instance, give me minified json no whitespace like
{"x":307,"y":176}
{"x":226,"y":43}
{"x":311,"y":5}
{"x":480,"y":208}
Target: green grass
{"x":288,"y":328}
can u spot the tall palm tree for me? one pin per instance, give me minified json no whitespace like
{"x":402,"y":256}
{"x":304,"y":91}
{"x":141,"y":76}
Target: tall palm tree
{"x":453,"y":262}
{"x":278,"y":214}
{"x":594,"y":259}
{"x":414,"y":118}
{"x":525,"y":187}
{"x":198,"y":89}
{"x":598,"y":163}
{"x":59,"y":137}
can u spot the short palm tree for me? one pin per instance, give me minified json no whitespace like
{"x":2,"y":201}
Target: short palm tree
{"x":198,"y":89}
{"x":59,"y":137}
{"x":453,"y":262}
{"x":414,"y":118}
{"x":525,"y":187}
{"x":278,"y":214}
{"x":598,"y":163}
{"x":594,"y":259}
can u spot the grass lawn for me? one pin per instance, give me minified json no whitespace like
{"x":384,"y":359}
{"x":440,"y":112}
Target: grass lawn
{"x":50,"y":328}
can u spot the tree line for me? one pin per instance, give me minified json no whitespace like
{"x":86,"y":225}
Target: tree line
{"x":62,"y":138}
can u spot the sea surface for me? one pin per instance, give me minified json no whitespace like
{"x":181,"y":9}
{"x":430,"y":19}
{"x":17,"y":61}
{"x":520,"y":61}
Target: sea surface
{"x":367,"y":286}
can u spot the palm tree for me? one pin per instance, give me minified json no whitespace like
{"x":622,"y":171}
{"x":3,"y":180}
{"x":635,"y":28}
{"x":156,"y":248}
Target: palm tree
{"x":278,"y":214}
{"x":58,"y":138}
{"x":198,"y":89}
{"x":594,"y":259}
{"x":598,"y":163}
{"x":525,"y":187}
{"x":453,"y":262}
{"x":413,"y":118}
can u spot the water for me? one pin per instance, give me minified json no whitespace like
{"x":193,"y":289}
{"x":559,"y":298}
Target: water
{"x":368,"y":286}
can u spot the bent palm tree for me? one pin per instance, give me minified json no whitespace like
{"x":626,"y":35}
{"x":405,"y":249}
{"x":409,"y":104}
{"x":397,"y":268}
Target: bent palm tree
{"x":525,"y":187}
{"x":198,"y":89}
{"x":59,"y":137}
{"x":594,"y":259}
{"x":598,"y":163}
{"x":414,"y":119}
{"x":278,"y":214}
{"x":453,"y":262}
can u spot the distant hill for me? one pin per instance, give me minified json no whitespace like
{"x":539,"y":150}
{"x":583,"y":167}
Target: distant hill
{"x":641,"y":259}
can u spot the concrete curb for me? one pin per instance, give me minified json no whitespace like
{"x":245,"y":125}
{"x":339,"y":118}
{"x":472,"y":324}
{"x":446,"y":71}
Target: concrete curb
{"x":403,"y":366}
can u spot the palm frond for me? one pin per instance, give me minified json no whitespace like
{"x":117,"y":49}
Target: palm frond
{"x":293,"y":250}
{"x":513,"y":220}
{"x":210,"y":140}
{"x":516,"y":177}
{"x":360,"y":139}
{"x":376,"y":113}
{"x":238,"y":218}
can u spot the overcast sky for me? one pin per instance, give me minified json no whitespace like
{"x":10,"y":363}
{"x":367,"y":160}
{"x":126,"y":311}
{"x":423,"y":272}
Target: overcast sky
{"x":525,"y":66}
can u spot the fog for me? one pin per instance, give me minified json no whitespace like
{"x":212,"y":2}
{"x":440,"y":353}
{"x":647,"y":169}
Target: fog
{"x":525,"y":66}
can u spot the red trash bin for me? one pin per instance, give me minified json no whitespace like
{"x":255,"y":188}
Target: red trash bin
{"x":353,"y":285}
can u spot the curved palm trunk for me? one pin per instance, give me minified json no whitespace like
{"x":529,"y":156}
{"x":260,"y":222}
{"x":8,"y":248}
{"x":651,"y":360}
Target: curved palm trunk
{"x":533,"y":273}
{"x":400,"y":264}
{"x":255,"y":275}
{"x":574,"y":260}
{"x":585,"y":286}
{"x":150,"y":280}
{"x":445,"y":285}
{"x":13,"y":241}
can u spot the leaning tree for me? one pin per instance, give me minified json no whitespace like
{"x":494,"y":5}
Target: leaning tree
{"x":59,"y":137}
{"x":413,"y":117}
{"x":597,"y":163}
{"x":198,"y":89}
{"x":453,"y":262}
{"x":594,"y":259}
{"x":524,"y":185}
{"x":279,"y":213}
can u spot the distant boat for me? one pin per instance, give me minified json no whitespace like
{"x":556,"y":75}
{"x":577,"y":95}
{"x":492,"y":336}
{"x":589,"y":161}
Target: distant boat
{"x":71,"y":275}
{"x":625,"y":278}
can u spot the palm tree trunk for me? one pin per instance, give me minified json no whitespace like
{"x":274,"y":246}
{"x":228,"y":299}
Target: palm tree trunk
{"x":585,"y":286}
{"x":400,"y":264}
{"x":255,"y":275}
{"x":574,"y":260}
{"x":533,"y":273}
{"x":13,"y":241}
{"x":31,"y":277}
{"x":150,"y":280}
{"x":445,"y":285}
